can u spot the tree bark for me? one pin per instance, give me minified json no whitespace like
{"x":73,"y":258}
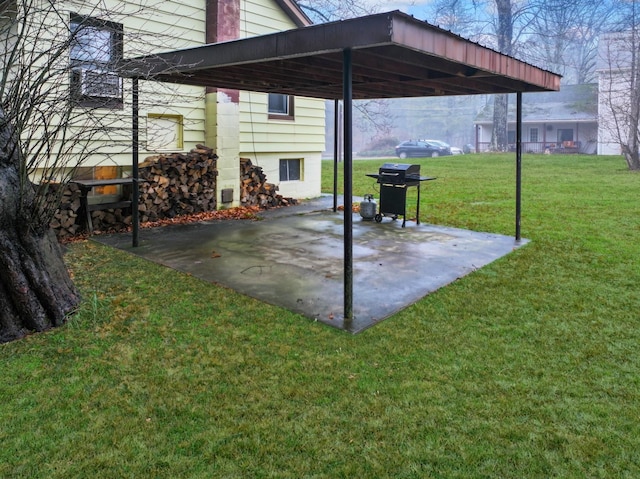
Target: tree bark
{"x":631,"y":148}
{"x":36,"y":291}
{"x":504,"y":34}
{"x":500,"y":137}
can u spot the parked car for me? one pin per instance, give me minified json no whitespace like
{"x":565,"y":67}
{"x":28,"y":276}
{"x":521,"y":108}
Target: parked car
{"x":456,"y":151}
{"x":446,"y":148}
{"x":421,"y":148}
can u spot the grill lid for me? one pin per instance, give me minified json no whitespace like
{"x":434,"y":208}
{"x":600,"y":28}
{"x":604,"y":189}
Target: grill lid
{"x":398,"y":173}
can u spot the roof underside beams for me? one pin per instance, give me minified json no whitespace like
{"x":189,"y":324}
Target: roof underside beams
{"x":393,"y":56}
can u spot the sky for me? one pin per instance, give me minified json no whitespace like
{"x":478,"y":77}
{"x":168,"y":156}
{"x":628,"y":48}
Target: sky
{"x":413,"y":7}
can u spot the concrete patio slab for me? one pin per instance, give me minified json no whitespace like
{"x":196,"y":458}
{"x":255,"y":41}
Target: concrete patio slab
{"x":293,"y":258}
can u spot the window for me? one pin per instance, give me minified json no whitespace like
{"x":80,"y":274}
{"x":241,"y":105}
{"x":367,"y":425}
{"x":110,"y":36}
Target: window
{"x":96,"y":48}
{"x":100,"y":173}
{"x":565,"y":135}
{"x":281,"y":106}
{"x":164,"y":132}
{"x":290,"y":170}
{"x":533,"y":135}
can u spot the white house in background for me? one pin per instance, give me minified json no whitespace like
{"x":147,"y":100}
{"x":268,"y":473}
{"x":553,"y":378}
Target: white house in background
{"x":282,"y":134}
{"x":614,"y":78}
{"x":558,"y":122}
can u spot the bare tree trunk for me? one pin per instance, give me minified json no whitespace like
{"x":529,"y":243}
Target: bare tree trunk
{"x":504,"y":33}
{"x":630,"y":148}
{"x":620,"y":97}
{"x":36,"y":291}
{"x":499,"y":137}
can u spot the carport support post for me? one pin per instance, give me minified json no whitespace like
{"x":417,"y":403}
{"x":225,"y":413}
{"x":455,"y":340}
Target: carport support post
{"x":336,"y":152}
{"x":347,"y":88}
{"x":135,"y":194}
{"x":518,"y":162}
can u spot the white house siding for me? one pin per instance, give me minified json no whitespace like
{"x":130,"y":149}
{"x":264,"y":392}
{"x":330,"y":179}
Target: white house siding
{"x":164,"y":25}
{"x":266,"y":141}
{"x":262,"y":17}
{"x":586,"y":133}
{"x":614,"y":77}
{"x":574,"y":108}
{"x":157,"y":27}
{"x":169,"y":25}
{"x":613,"y":94}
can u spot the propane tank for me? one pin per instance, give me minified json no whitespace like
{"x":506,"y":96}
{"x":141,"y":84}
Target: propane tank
{"x":368,"y":208}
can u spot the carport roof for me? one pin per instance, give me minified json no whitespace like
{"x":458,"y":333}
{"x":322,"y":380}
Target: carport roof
{"x":393,"y":55}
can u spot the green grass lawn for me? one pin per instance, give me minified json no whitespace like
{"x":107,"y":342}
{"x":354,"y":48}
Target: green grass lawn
{"x":527,"y":368}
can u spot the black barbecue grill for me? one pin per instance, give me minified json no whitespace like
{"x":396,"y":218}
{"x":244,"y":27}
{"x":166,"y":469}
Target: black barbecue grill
{"x":394,"y":180}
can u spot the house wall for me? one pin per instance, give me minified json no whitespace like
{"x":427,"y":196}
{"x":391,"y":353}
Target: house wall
{"x":170,"y":24}
{"x":163,"y":26}
{"x":158,"y":27}
{"x":584,"y":132}
{"x":259,"y":17}
{"x":613,"y":105}
{"x":615,"y":78}
{"x":266,"y":141}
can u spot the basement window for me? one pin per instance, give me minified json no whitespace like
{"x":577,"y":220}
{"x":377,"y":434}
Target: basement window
{"x":106,"y":172}
{"x":291,"y":170}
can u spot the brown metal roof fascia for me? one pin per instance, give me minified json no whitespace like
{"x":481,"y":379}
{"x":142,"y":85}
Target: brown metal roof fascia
{"x":412,"y":57}
{"x":308,"y":41}
{"x":412,"y":34}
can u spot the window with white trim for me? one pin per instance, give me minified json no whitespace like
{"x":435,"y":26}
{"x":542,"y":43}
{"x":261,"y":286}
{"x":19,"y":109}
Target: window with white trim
{"x":533,"y":135}
{"x":164,"y":132}
{"x":291,"y":169}
{"x":95,"y":50}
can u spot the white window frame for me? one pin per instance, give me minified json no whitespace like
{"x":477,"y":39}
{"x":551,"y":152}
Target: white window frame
{"x":286,"y":170}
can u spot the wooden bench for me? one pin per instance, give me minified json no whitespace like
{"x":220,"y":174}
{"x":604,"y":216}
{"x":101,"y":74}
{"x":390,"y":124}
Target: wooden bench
{"x":87,"y":185}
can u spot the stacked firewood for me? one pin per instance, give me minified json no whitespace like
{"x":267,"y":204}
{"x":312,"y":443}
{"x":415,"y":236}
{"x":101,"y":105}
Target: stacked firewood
{"x":65,"y":220}
{"x":178,"y":184}
{"x":254,"y":189}
{"x":170,"y":185}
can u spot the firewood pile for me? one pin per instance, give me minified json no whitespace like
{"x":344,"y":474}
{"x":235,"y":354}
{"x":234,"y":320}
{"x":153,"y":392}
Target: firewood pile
{"x":65,"y":220}
{"x":170,"y":186}
{"x":254,"y":189}
{"x":178,"y":184}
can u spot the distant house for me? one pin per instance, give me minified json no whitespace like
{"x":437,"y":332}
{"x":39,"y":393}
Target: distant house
{"x":615,"y":78}
{"x":557,"y":122}
{"x":282,"y":134}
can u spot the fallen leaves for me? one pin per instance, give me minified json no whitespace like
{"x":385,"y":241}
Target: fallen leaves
{"x":236,"y":213}
{"x":354,"y":207}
